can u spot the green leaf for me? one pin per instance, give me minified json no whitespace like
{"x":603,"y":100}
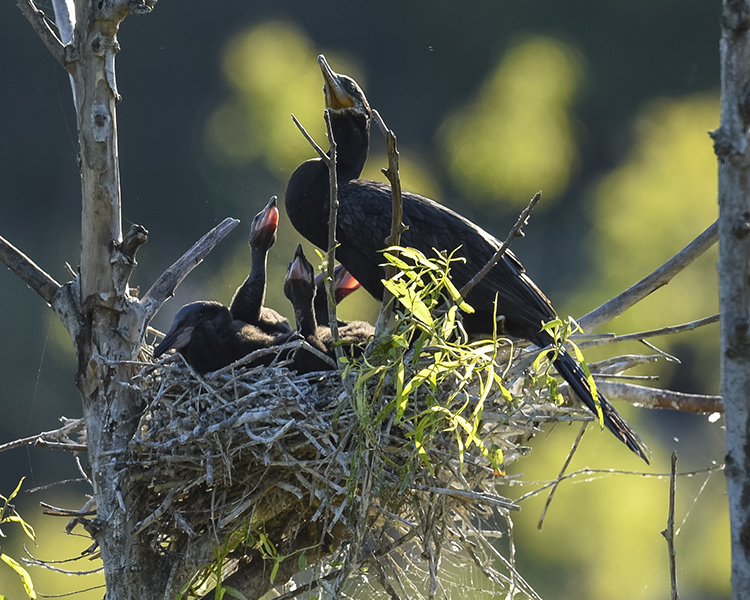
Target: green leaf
{"x":28,"y":529}
{"x":28,"y":585}
{"x":235,"y":593}
{"x":302,"y":562}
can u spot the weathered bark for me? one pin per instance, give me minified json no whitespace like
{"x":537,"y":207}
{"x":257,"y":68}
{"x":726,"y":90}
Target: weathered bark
{"x":731,"y":146}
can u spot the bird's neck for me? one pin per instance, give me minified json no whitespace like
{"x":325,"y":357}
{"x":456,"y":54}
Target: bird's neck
{"x":351,"y":133}
{"x":248,"y":300}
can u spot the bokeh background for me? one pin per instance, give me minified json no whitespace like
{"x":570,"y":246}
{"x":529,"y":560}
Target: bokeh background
{"x":604,"y":106}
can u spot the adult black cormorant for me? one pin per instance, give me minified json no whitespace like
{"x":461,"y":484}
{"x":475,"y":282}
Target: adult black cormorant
{"x":247,"y":304}
{"x":364,"y":222}
{"x":209,"y":338}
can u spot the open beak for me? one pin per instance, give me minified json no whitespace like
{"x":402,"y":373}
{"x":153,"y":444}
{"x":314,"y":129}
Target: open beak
{"x":344,"y":283}
{"x":336,"y":96}
{"x":297,"y":268}
{"x":270,"y":218}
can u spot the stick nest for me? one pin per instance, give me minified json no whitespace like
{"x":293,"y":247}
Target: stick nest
{"x":262,"y":449}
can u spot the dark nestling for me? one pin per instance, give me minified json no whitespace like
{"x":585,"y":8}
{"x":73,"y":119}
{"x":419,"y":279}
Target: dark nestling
{"x":247,"y":304}
{"x":300,"y":289}
{"x":364,"y":222}
{"x":209,"y":338}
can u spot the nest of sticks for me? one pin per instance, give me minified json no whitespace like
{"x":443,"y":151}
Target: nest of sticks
{"x":264,"y":450}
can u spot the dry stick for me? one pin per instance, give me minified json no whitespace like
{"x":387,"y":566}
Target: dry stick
{"x":397,"y":215}
{"x":164,"y":287}
{"x":38,"y":21}
{"x":668,"y":533}
{"x":330,"y":162}
{"x":649,"y":397}
{"x":39,"y":281}
{"x":662,"y":276}
{"x":514,"y":233}
{"x":35,"y":439}
{"x":561,"y":475}
{"x":608,"y":338}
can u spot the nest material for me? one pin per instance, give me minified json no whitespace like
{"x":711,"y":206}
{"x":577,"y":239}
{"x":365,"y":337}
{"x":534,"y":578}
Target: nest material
{"x":247,"y":448}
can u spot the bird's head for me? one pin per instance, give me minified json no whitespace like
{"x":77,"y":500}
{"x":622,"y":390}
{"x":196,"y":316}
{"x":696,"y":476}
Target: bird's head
{"x":342,"y":92}
{"x":263,"y":227}
{"x":186,"y":320}
{"x":300,"y":277}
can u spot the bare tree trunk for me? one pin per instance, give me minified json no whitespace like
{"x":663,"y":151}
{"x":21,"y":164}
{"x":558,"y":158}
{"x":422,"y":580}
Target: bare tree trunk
{"x":731,"y":146}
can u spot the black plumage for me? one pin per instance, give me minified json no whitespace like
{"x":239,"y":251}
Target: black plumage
{"x":364,"y":218}
{"x":301,"y":290}
{"x":247,"y":303}
{"x":209,"y":338}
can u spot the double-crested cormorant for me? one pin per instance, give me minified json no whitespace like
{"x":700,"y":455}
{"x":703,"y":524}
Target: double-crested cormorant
{"x":247,"y":304}
{"x":302,"y":292}
{"x":364,"y":220}
{"x":299,"y":288}
{"x":209,"y":338}
{"x":343,"y":285}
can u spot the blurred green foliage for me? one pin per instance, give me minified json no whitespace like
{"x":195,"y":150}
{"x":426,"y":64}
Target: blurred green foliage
{"x":516,"y":137}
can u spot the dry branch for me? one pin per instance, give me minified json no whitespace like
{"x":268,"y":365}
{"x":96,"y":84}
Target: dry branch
{"x":397,"y":215}
{"x":608,"y":338}
{"x":668,"y":533}
{"x":38,"y":21}
{"x":660,"y":277}
{"x":649,"y":397}
{"x":26,"y":269}
{"x":164,"y":287}
{"x":515,"y":232}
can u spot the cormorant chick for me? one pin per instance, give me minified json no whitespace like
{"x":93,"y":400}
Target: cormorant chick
{"x":209,"y":338}
{"x":247,"y":304}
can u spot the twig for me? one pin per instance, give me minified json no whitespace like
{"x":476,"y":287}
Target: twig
{"x":397,"y":216}
{"x":333,"y":211}
{"x":609,"y":338}
{"x":330,"y":161}
{"x":164,"y":287}
{"x":38,"y":21}
{"x":514,"y":233}
{"x":26,"y":269}
{"x":557,"y":481}
{"x":668,"y":533}
{"x":35,"y":439}
{"x":657,"y":398}
{"x":609,"y":472}
{"x":662,"y":276}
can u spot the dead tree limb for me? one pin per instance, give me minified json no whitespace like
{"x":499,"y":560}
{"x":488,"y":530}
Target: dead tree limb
{"x":164,"y":287}
{"x":36,"y":278}
{"x":731,"y":147}
{"x":660,"y":277}
{"x":397,"y":215}
{"x":649,"y":397}
{"x":39,"y":22}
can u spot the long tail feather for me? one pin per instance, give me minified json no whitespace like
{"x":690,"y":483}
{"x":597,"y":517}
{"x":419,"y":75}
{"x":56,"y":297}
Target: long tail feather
{"x":572,"y":372}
